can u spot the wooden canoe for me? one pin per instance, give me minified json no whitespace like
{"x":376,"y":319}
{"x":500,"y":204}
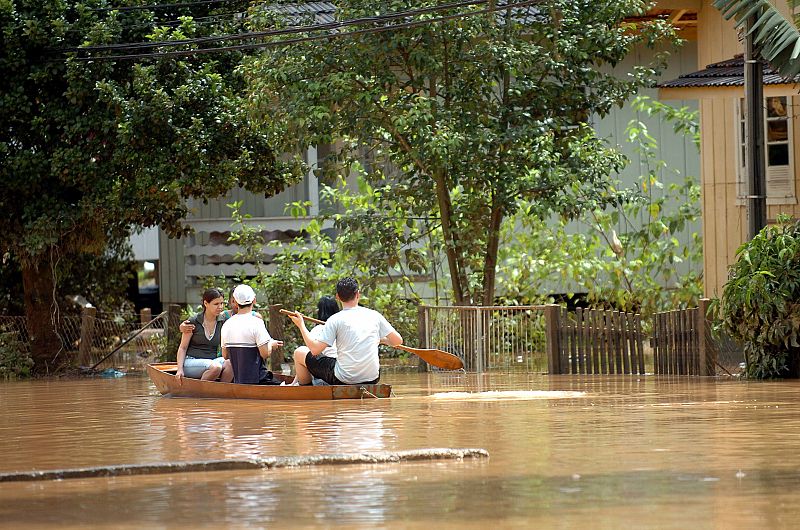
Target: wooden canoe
{"x":163,"y":376}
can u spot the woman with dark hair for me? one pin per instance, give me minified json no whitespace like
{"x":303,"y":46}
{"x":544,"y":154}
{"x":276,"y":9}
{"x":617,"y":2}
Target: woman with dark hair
{"x":326,"y":307}
{"x":199,"y":352}
{"x":187,"y":326}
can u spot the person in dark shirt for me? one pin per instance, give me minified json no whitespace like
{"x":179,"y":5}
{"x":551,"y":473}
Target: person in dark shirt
{"x":199,"y":354}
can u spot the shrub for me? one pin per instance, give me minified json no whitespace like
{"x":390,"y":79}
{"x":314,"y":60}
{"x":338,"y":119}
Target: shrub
{"x":15,"y":360}
{"x":760,"y":304}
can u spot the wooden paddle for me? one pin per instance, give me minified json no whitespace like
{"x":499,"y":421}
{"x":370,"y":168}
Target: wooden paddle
{"x":438,"y":358}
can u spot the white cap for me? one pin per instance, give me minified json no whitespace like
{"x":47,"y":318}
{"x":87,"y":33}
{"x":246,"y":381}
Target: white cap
{"x":244,"y":294}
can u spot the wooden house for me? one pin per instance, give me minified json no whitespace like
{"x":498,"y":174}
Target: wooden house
{"x":718,"y":86}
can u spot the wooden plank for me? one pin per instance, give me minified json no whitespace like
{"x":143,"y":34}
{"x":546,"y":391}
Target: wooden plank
{"x":615,"y":322}
{"x":662,"y":341}
{"x":663,"y":344}
{"x":696,"y":335}
{"x":609,"y":331}
{"x":573,"y":351}
{"x":580,"y":347}
{"x":596,"y":338}
{"x":88,"y":318}
{"x":637,"y":323}
{"x":564,"y":343}
{"x":587,"y":343}
{"x":626,"y":342}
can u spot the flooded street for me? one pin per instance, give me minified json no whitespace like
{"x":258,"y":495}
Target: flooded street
{"x":565,"y":452}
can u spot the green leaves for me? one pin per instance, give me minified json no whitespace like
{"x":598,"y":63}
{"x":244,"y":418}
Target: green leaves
{"x":465,"y":118}
{"x":776,"y":38}
{"x":758,"y":305}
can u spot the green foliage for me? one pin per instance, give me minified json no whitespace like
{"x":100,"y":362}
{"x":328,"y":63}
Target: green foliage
{"x":776,"y":39}
{"x":633,"y":270}
{"x":465,"y":117}
{"x":15,"y":361}
{"x":91,"y":150}
{"x":309,"y":266}
{"x":759,"y":305}
{"x":102,"y":279}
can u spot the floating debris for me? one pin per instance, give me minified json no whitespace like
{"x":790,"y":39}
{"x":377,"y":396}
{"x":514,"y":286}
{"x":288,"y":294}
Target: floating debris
{"x":244,"y":464}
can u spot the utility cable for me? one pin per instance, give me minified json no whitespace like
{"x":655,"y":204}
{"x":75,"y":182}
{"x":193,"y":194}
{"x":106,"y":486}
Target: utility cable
{"x":245,"y":47}
{"x":284,"y":31}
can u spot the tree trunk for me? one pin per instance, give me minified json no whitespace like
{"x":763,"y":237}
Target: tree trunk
{"x":490,"y":260}
{"x":458,"y":276}
{"x":37,"y":283}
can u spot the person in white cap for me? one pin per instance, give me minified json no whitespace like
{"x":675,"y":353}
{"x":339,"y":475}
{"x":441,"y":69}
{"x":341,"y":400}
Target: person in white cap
{"x":246,"y":341}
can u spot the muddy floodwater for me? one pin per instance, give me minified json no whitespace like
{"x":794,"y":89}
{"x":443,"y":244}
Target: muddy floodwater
{"x":565,"y":452}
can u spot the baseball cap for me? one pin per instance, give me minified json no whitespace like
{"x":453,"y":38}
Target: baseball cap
{"x":244,"y":294}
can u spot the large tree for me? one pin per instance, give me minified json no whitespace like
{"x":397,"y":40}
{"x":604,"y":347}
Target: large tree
{"x":470,"y":113}
{"x":91,"y":150}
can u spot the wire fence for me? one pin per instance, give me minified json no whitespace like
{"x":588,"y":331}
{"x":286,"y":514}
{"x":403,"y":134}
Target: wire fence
{"x":90,"y":338}
{"x":488,"y":338}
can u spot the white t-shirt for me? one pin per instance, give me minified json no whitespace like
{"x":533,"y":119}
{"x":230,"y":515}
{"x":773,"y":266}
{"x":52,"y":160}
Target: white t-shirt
{"x":242,"y":334}
{"x":316,"y":334}
{"x":356,"y":332}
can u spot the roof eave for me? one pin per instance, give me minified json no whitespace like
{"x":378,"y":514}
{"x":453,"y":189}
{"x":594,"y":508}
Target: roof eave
{"x":714,"y":92}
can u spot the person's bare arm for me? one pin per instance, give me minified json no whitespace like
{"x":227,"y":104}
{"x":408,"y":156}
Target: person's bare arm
{"x":315,"y":346}
{"x":266,"y":349}
{"x":392,"y":339}
{"x":184,"y":345}
{"x":186,"y":327}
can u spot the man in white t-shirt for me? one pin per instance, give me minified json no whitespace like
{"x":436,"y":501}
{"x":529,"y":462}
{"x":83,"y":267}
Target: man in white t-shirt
{"x":357,"y":331}
{"x":246,"y":342}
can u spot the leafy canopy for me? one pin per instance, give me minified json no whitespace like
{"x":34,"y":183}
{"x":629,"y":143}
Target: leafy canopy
{"x":91,"y":149}
{"x":465,"y":117}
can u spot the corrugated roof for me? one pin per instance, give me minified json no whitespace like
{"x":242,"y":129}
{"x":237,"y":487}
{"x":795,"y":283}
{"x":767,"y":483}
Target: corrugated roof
{"x":724,"y":73}
{"x":325,"y":12}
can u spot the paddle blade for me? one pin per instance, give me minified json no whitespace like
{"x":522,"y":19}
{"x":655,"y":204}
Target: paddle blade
{"x":438,"y":358}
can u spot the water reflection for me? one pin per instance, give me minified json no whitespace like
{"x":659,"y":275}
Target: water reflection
{"x":600,"y":452}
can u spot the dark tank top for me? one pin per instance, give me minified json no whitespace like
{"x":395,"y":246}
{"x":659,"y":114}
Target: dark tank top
{"x":201,"y":347}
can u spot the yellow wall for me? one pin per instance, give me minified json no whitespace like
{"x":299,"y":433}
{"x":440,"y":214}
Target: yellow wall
{"x":724,"y":219}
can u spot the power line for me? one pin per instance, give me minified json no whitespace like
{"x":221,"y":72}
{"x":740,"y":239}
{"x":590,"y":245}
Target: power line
{"x":162,"y":6}
{"x":185,"y":53}
{"x":278,"y":32}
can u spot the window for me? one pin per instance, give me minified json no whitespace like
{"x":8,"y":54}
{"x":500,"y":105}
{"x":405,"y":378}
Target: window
{"x":778,"y":154}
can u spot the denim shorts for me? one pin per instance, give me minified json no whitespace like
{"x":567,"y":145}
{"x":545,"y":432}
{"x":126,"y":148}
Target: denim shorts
{"x":194,"y":368}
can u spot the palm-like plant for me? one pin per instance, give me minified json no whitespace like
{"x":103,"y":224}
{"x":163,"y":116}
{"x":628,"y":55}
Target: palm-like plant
{"x":776,"y":39}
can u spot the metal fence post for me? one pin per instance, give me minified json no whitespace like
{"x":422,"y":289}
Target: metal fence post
{"x":88,"y":317}
{"x":479,"y":340}
{"x":145,"y":315}
{"x":422,"y":334}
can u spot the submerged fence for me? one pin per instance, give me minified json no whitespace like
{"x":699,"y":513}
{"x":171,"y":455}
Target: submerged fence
{"x":585,"y":341}
{"x":90,"y":337}
{"x":591,"y":341}
{"x":487,"y":338}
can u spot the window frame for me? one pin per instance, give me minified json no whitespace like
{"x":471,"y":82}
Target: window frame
{"x":785,"y":192}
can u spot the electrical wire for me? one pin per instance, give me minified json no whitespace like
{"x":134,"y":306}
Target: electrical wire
{"x":162,"y":6}
{"x":245,"y":47}
{"x":284,"y":42}
{"x":285,"y":31}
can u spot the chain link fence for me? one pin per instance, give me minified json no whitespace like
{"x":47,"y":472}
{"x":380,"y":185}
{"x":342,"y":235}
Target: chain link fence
{"x":98,"y":340}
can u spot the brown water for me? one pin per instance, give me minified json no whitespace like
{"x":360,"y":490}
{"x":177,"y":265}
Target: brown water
{"x":642,"y":452}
